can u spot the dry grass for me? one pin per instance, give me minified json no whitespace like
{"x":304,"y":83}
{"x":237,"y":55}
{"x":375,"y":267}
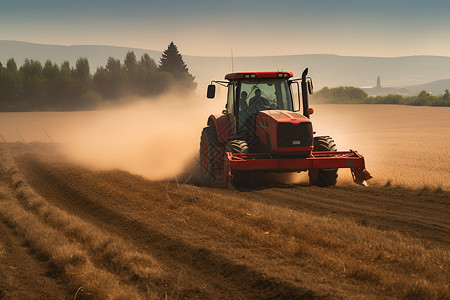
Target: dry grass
{"x":331,"y":249}
{"x":239,"y":242}
{"x":403,"y":145}
{"x":87,"y":256}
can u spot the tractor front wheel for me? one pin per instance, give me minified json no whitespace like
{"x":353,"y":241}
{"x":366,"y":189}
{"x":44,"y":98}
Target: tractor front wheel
{"x":239,"y":178}
{"x":319,"y":177}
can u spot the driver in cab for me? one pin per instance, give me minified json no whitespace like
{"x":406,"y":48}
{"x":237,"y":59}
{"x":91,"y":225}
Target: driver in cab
{"x":248,"y":112}
{"x":256,"y":98}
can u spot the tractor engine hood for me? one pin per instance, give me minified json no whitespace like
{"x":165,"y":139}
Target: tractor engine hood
{"x":284,"y":116}
{"x":284,"y":131}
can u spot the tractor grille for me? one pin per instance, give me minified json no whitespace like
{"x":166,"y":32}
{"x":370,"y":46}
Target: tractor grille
{"x":290,"y":135}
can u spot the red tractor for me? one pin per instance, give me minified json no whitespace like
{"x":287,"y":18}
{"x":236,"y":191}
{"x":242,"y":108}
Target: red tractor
{"x":263,"y":128}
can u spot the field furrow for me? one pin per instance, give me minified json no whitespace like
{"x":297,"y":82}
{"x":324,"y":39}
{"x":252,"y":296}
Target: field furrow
{"x":114,"y":234}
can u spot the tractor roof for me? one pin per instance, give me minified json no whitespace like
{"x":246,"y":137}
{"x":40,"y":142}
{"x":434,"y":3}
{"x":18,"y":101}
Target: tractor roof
{"x":251,"y":75}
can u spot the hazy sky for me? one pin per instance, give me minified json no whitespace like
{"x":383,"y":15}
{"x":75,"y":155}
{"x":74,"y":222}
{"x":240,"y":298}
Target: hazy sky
{"x":254,"y":27}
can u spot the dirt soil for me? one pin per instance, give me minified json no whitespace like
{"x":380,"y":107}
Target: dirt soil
{"x":203,"y":242}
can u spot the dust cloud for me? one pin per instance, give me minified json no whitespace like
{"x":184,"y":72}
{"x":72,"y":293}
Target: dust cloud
{"x":155,"y":138}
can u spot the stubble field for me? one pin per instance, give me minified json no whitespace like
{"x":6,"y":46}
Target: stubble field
{"x":88,"y":212}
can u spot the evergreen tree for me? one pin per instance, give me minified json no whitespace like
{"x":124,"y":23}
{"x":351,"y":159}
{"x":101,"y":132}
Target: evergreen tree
{"x":147,"y":63}
{"x":10,"y":84}
{"x":3,"y":97}
{"x":66,"y":86}
{"x":147,"y":69}
{"x":82,"y":71}
{"x":33,"y":84}
{"x":82,"y":76}
{"x":111,"y":82}
{"x":11,"y":65}
{"x":131,"y":67}
{"x":172,"y":62}
{"x":446,"y":96}
{"x":51,"y":77}
{"x":130,"y":62}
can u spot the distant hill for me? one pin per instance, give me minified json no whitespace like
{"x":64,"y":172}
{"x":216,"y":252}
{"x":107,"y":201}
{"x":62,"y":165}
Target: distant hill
{"x":97,"y":55}
{"x":326,"y":69}
{"x":437,"y":87}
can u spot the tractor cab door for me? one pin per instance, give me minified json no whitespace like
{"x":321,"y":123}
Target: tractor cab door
{"x":231,"y":98}
{"x":230,"y":108}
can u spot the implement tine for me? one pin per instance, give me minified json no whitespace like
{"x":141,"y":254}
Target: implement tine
{"x":360,"y":176}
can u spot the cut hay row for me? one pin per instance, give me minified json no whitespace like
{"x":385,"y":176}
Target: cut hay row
{"x":67,"y":240}
{"x":388,"y":260}
{"x":66,"y":257}
{"x":108,"y":249}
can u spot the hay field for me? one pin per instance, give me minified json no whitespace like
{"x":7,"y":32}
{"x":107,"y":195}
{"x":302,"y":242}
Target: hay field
{"x":86,"y":212}
{"x":402,"y":145}
{"x":67,"y":231}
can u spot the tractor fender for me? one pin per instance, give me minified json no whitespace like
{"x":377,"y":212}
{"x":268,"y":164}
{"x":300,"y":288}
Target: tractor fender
{"x":225,"y":126}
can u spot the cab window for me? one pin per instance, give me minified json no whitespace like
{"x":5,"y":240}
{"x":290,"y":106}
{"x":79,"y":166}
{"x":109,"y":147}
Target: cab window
{"x":230,"y":98}
{"x":275,"y":91}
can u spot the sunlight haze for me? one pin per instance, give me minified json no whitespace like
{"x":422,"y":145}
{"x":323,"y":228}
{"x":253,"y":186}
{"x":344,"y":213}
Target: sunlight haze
{"x":250,"y":28}
{"x":179,"y":149}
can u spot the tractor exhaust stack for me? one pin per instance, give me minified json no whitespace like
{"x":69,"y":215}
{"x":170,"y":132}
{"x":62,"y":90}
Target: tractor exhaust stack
{"x":305,"y":94}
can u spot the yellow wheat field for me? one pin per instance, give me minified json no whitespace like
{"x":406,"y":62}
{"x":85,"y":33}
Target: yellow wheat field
{"x":403,"y":145}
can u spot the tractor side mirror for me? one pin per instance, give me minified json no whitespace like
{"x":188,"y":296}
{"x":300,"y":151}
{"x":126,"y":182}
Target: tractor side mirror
{"x":310,"y":87}
{"x":211,"y":91}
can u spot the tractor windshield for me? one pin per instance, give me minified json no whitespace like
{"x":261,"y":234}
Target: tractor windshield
{"x":261,"y":94}
{"x":265,"y":94}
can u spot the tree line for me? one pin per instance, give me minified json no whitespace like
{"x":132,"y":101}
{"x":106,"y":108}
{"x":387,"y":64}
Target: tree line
{"x":53,"y":87}
{"x":354,"y":95}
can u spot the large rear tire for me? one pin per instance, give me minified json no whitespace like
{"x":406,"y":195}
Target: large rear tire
{"x":321,"y":177}
{"x":239,"y":178}
{"x":211,"y":160}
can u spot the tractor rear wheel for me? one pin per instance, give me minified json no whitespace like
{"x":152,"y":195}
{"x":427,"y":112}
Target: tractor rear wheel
{"x":211,"y":159}
{"x":323,"y":177}
{"x":208,"y":143}
{"x":239,"y":178}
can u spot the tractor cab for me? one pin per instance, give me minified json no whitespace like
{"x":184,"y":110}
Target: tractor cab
{"x":250,"y":93}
